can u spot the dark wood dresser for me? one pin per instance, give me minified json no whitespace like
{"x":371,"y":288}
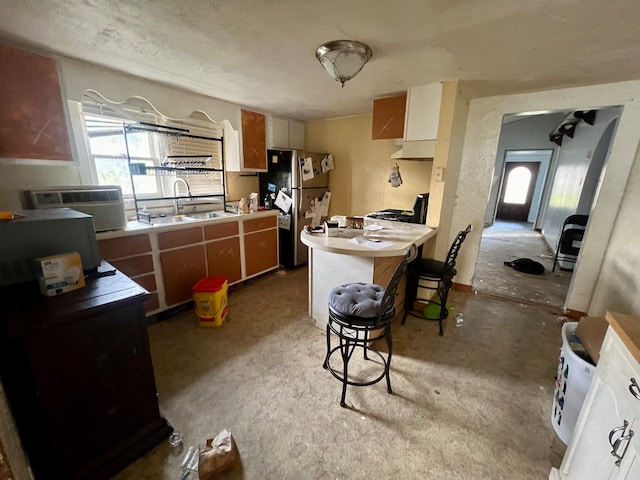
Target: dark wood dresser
{"x":77,"y":372}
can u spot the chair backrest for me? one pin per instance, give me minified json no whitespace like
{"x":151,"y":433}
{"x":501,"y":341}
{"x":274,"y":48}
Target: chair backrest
{"x":389,"y":298}
{"x":576,"y":220}
{"x":450,"y":262}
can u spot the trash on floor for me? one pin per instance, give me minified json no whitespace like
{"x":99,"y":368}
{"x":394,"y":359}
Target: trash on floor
{"x":220,"y":454}
{"x":526,"y":265}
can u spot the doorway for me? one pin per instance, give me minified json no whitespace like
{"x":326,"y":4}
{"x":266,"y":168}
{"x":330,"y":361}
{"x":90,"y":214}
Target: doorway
{"x":536,"y":185}
{"x":516,"y":192}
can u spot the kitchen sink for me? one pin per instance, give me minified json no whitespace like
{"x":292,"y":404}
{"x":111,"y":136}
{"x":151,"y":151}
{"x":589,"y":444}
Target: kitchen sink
{"x":207,"y":215}
{"x":171,"y":219}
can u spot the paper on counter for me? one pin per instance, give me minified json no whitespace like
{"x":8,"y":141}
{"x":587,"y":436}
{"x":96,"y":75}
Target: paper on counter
{"x":283,"y":201}
{"x":363,"y":242}
{"x":307,"y":169}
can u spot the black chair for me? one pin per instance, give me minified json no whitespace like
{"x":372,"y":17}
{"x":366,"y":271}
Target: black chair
{"x":360,"y":313}
{"x":435,"y":278}
{"x":570,"y":239}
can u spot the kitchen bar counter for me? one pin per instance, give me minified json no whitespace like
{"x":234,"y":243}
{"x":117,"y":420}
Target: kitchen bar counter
{"x":334,"y":261}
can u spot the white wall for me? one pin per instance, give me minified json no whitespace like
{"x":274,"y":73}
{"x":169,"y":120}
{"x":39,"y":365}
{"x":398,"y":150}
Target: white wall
{"x":478,"y":161}
{"x":572,"y":167}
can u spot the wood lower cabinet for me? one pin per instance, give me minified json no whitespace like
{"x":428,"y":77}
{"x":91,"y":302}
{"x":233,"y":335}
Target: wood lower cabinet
{"x":78,"y":376}
{"x":224,"y":258}
{"x":260,"y":245}
{"x":182,"y":268}
{"x":133,"y":256}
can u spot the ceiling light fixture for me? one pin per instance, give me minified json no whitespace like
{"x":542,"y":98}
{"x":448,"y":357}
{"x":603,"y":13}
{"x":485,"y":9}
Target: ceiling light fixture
{"x":343,"y":59}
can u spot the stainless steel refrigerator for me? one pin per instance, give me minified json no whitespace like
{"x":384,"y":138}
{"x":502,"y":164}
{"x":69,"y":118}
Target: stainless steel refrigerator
{"x":300,"y":176}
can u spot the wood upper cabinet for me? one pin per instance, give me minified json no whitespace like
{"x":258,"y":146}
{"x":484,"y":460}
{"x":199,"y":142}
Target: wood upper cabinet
{"x":388,"y":117}
{"x":254,"y":141}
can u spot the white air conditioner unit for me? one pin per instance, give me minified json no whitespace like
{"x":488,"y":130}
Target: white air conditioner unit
{"x":103,"y":202}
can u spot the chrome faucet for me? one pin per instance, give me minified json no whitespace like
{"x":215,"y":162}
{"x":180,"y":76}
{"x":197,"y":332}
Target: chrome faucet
{"x":176,"y":202}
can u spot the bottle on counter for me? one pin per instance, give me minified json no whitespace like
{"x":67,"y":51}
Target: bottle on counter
{"x":242,"y":205}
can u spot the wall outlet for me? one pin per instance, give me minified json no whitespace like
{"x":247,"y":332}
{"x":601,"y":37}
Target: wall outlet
{"x":438,"y":174}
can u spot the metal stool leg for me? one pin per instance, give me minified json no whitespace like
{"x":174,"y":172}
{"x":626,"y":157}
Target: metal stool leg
{"x":325,"y":365}
{"x":388,"y":365}
{"x":346,"y":355}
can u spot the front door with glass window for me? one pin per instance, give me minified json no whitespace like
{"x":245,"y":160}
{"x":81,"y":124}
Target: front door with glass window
{"x":518,"y":184}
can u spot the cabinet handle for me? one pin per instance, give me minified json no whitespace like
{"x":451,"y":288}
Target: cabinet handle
{"x":634,"y":388}
{"x":615,"y":445}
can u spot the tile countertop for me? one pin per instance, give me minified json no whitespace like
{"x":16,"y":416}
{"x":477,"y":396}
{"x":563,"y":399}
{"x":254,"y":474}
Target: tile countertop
{"x":135,"y":227}
{"x":628,"y":329}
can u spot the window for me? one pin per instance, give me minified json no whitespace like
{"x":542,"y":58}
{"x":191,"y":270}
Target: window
{"x":108,"y":151}
{"x":108,"y":147}
{"x":517,"y":186}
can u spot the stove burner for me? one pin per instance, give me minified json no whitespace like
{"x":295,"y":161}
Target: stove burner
{"x":393,"y":215}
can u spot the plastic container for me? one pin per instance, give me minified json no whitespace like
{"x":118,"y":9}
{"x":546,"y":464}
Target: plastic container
{"x":572,"y":383}
{"x":210,"y":301}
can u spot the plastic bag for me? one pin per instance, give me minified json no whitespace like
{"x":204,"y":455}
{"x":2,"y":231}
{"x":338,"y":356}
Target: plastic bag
{"x":220,"y":454}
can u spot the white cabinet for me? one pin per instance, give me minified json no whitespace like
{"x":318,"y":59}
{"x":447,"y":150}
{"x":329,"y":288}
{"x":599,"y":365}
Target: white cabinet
{"x":606,"y":440}
{"x":285,"y":133}
{"x":423,"y":112}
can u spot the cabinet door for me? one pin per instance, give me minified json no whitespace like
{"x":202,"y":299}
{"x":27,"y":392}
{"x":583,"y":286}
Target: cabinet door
{"x":388,"y":117}
{"x":182,"y":268}
{"x":423,"y":112}
{"x":279,"y":133}
{"x":296,"y":135}
{"x":254,"y":141}
{"x":223,"y":259}
{"x":261,"y":251}
{"x":607,"y":407}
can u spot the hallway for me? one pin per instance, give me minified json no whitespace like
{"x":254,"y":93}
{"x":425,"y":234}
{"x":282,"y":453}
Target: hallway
{"x":507,"y":241}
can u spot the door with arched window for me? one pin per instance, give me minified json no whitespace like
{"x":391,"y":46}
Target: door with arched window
{"x":518,"y":184}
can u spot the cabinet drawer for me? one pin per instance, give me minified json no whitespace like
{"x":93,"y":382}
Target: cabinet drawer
{"x":220,"y":230}
{"x":135,"y":266}
{"x":262,"y":223}
{"x":122,"y":247}
{"x":178,"y":238}
{"x":618,"y":360}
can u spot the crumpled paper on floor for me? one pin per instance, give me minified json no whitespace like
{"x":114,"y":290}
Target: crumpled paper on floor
{"x":220,"y":454}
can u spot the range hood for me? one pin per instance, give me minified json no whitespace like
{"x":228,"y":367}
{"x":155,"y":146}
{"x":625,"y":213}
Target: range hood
{"x":416,"y":150}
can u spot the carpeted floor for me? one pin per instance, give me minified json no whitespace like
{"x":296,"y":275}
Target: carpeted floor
{"x":507,"y":241}
{"x":474,"y":404}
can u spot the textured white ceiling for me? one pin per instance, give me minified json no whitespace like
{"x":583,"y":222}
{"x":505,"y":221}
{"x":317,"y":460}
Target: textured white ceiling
{"x":261,"y":53}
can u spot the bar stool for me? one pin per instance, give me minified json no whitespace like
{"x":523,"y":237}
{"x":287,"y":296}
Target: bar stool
{"x":360,"y":313}
{"x":435,"y":277}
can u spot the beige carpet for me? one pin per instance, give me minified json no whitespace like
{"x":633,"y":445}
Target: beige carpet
{"x":507,"y":241}
{"x":474,"y":404}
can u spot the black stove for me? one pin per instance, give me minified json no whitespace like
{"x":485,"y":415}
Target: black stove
{"x":393,"y":215}
{"x":417,"y":215}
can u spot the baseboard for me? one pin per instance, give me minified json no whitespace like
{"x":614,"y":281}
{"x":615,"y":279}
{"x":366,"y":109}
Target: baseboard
{"x":461,"y":287}
{"x":575,"y":314}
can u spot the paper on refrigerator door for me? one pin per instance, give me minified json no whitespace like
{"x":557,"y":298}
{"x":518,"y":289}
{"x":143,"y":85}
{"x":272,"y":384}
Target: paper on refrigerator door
{"x":283,"y":201}
{"x":324,"y":204}
{"x":284,"y":221}
{"x":307,"y":169}
{"x":327,"y":163}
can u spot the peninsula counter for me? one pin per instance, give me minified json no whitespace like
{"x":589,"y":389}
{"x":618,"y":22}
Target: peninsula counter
{"x":334,"y":261}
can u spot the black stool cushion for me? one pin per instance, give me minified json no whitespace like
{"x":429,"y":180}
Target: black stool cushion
{"x":356,"y":299}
